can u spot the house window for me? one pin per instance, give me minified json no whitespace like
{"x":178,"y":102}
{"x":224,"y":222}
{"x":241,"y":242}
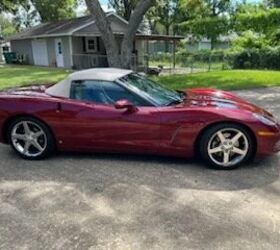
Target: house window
{"x":91,"y":44}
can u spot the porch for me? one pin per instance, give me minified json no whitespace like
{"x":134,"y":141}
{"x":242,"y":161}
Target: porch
{"x":89,"y":51}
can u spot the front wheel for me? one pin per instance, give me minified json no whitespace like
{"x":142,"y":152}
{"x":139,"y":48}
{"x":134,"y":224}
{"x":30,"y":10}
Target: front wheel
{"x":30,"y":138}
{"x":226,"y":146}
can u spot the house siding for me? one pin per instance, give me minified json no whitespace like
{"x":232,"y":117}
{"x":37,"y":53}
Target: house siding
{"x":51,"y":52}
{"x":23,"y":47}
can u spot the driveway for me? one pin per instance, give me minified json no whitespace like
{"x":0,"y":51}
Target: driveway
{"x":101,"y":201}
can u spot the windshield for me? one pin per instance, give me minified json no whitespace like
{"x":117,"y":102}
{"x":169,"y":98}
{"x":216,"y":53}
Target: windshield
{"x":154,"y":92}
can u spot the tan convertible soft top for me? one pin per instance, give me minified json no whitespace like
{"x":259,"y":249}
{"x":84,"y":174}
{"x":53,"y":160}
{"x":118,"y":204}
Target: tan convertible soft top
{"x":62,"y":89}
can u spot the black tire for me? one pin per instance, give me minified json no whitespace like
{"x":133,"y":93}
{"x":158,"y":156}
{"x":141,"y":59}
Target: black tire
{"x":50,"y":140}
{"x":209,"y":133}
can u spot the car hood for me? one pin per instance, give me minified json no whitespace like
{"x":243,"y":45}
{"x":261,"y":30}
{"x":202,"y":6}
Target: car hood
{"x":218,"y":99}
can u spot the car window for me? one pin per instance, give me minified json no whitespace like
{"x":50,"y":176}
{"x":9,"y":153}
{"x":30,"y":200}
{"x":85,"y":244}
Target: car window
{"x":102,"y":92}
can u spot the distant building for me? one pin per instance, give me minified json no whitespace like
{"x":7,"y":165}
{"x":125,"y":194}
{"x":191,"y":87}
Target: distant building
{"x":77,"y":43}
{"x":194,"y":45}
{"x":4,"y":47}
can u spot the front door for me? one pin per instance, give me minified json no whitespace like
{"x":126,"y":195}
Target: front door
{"x":59,"y":53}
{"x":91,"y":121}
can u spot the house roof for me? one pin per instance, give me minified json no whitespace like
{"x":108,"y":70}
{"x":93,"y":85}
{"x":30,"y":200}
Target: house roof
{"x":70,"y":27}
{"x":83,"y":26}
{"x":62,"y":89}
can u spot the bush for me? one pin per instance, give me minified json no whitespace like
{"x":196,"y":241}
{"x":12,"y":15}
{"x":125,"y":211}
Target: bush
{"x":268,"y":58}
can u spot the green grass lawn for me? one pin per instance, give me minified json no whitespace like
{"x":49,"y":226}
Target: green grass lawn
{"x":226,"y":79}
{"x":11,"y":76}
{"x":16,"y":75}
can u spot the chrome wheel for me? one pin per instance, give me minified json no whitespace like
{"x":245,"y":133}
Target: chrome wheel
{"x":28,"y":138}
{"x":228,"y":147}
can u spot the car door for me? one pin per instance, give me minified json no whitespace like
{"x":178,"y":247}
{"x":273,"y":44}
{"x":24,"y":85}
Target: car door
{"x":91,"y":121}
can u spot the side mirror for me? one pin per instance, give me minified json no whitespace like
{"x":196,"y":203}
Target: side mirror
{"x":125,"y":104}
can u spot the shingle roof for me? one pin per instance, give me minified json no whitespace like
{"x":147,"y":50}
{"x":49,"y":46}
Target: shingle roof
{"x":64,"y":27}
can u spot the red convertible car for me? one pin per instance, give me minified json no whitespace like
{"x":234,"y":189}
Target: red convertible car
{"x":116,"y":110}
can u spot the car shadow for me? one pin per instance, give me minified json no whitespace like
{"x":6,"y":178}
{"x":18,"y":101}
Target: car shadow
{"x":159,"y":172}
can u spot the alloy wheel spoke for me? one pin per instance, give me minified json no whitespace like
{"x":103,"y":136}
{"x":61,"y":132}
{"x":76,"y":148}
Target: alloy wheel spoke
{"x":221,"y":136}
{"x":26,"y":128}
{"x":37,"y":146}
{"x":238,"y":151}
{"x":226,"y":158}
{"x":215,"y":150}
{"x":26,"y":147}
{"x":38,"y":134}
{"x":19,"y":137}
{"x":236,"y":137}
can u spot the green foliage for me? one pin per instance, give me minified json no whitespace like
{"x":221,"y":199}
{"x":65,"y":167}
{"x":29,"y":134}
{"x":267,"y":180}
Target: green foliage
{"x":250,"y":40}
{"x":209,"y":27}
{"x":50,"y":10}
{"x":9,"y":5}
{"x":261,"y":21}
{"x":264,"y":58}
{"x":209,"y":18}
{"x":7,"y":26}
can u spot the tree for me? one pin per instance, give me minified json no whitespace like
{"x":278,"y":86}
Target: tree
{"x":261,"y":20}
{"x":9,"y":5}
{"x":50,"y":10}
{"x":114,"y":59}
{"x":209,"y":18}
{"x":274,"y":3}
{"x":26,"y":16}
{"x":123,"y":8}
{"x":7,"y":28}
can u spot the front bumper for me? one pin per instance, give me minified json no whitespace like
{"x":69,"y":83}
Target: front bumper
{"x":268,"y":143}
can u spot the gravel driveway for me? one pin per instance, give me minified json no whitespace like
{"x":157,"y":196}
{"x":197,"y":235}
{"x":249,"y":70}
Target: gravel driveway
{"x":137,"y":202}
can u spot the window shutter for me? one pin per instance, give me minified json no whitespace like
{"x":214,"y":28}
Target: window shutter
{"x":84,"y":44}
{"x":98,"y":43}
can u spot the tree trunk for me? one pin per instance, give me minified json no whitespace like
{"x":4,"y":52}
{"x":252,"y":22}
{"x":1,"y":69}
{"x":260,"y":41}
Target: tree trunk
{"x":134,"y":22}
{"x":107,"y":35}
{"x":114,"y":59}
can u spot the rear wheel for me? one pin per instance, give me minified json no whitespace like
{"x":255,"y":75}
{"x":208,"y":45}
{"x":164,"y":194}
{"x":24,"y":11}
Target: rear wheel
{"x":226,"y":146}
{"x":30,"y":138}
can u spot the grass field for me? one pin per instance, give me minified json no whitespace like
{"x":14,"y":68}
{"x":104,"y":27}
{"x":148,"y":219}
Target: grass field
{"x":11,"y":76}
{"x":226,"y":79}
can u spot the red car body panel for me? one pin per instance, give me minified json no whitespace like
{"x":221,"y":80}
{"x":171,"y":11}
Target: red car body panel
{"x":170,"y":130}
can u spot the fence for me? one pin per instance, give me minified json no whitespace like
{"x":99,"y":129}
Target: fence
{"x":169,"y":63}
{"x":188,"y":63}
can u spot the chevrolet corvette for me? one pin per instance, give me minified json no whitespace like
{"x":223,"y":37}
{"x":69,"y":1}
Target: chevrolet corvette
{"x":116,"y":110}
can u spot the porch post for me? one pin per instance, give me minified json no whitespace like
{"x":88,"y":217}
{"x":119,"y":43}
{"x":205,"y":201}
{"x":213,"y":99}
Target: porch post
{"x":147,"y":54}
{"x":71,"y":51}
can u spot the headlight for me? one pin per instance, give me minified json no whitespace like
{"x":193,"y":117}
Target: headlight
{"x":265,"y":120}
